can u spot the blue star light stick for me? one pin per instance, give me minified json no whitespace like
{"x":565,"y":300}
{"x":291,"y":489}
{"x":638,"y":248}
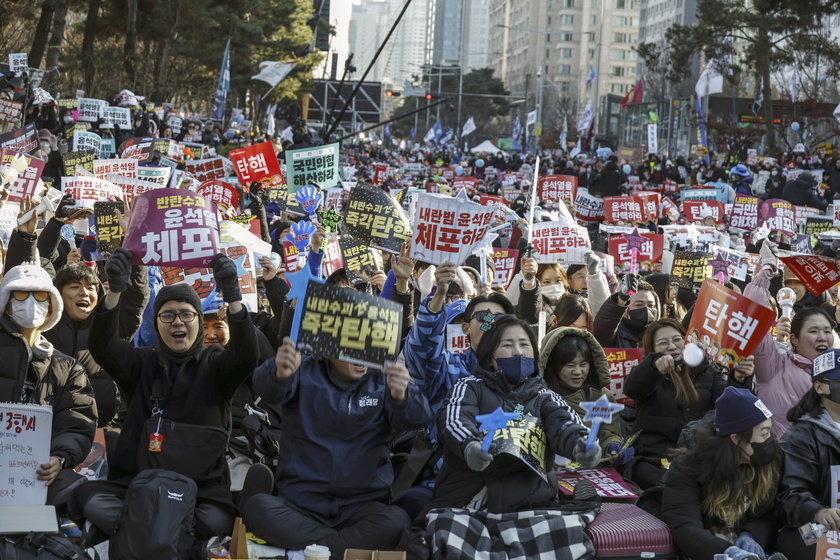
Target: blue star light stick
{"x":493,"y":422}
{"x":598,"y":412}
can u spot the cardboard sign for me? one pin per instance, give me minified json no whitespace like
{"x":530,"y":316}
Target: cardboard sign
{"x":466,"y":183}
{"x":27,"y":181}
{"x":650,"y":252}
{"x":526,"y":440}
{"x":90,"y":110}
{"x":608,"y":483}
{"x":349,"y":325}
{"x":777,"y":215}
{"x":109,"y":234}
{"x":257,"y":163}
{"x":206,"y":169}
{"x":25,"y":438}
{"x":10,"y":110}
{"x":621,"y":361}
{"x":131,"y":187}
{"x":744,"y":213}
{"x":588,"y":208}
{"x":504,"y":264}
{"x":457,"y":341}
{"x":375,"y":219}
{"x":223,"y":194}
{"x":104,"y":167}
{"x":695,"y":210}
{"x":551,"y":240}
{"x":285,"y":200}
{"x":557,"y":188}
{"x":140,"y":148}
{"x":83,"y":140}
{"x":23,"y":140}
{"x":691,"y":268}
{"x":727,"y":325}
{"x":81,"y":159}
{"x":816,"y":273}
{"x":360,"y":261}
{"x":447,"y":229}
{"x":310,"y":166}
{"x":87,"y":190}
{"x":172,"y":227}
{"x":201,"y":279}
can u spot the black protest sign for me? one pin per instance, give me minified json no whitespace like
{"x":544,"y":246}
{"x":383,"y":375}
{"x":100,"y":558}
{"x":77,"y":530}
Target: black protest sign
{"x":280,"y":195}
{"x":140,"y":148}
{"x":23,"y":140}
{"x":814,"y":224}
{"x":83,"y":159}
{"x":360,"y":261}
{"x":526,"y":440}
{"x":348,"y":325}
{"x":691,"y":268}
{"x":374,"y":218}
{"x":109,"y":234}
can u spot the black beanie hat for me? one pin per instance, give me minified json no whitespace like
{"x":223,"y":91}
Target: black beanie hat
{"x":178,"y":292}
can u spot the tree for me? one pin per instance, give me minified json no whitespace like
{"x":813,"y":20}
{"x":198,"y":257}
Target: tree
{"x":760,"y":35}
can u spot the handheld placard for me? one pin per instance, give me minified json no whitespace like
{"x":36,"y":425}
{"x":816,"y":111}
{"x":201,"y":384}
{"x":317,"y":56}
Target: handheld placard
{"x":493,"y":422}
{"x":719,"y":266}
{"x":635,"y":242}
{"x":598,"y":412}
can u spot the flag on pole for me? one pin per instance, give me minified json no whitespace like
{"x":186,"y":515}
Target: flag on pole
{"x":591,"y":75}
{"x":792,"y":86}
{"x":430,"y":135}
{"x":532,"y":118}
{"x":576,"y":150}
{"x":438,"y":128}
{"x":273,"y":72}
{"x":710,"y":81}
{"x":564,"y":134}
{"x":387,"y":131}
{"x":223,"y":87}
{"x":586,"y":118}
{"x":517,"y":132}
{"x":633,"y":96}
{"x":413,"y":133}
{"x":759,"y":99}
{"x":447,"y":137}
{"x":469,"y":127}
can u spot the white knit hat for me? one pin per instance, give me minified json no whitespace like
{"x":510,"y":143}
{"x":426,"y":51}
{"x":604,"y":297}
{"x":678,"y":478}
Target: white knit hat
{"x":30,"y":277}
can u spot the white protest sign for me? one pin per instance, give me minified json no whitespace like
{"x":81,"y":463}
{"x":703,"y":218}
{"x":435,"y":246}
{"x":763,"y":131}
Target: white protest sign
{"x":231,"y":233}
{"x":18,"y":63}
{"x":457,"y":341}
{"x":90,"y":110}
{"x":25,"y":437}
{"x":159,"y":175}
{"x":551,"y":240}
{"x":446,"y":229}
{"x":131,"y":186}
{"x":120,"y":117}
{"x":84,"y":140}
{"x":104,"y":167}
{"x":87,"y":190}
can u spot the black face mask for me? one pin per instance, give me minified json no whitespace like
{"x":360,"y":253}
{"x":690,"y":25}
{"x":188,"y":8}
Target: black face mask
{"x":764,"y":452}
{"x":638,"y":319}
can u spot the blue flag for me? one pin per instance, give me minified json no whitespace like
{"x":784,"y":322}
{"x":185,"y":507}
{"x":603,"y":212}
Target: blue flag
{"x":413,"y":133}
{"x":387,"y":131}
{"x":591,"y":75}
{"x":223,"y":86}
{"x":517,"y":132}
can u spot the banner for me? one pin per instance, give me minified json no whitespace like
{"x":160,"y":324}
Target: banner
{"x":623,"y":210}
{"x":206,"y":169}
{"x":104,"y":167}
{"x":132,"y":188}
{"x":23,"y":140}
{"x":375,"y":219}
{"x":690,"y":268}
{"x":87,"y":190}
{"x":621,"y":361}
{"x":447,"y":229}
{"x":777,"y":215}
{"x":81,"y":159}
{"x":27,"y":181}
{"x":140,"y":148}
{"x":360,"y":261}
{"x":349,"y":325}
{"x":816,"y":273}
{"x":608,"y":483}
{"x":257,"y":163}
{"x":726,"y":325}
{"x":172,"y":227}
{"x":744,"y":213}
{"x":650,"y":253}
{"x":695,"y":210}
{"x":699,"y":194}
{"x":588,"y":208}
{"x":557,"y":188}
{"x":25,"y":442}
{"x":551,"y":240}
{"x":310,"y":166}
{"x":504,"y":265}
{"x":223,"y":194}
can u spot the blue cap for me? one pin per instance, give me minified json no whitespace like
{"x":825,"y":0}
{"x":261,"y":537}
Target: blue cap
{"x":454,"y":309}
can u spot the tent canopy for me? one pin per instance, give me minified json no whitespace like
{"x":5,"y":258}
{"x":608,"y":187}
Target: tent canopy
{"x":486,"y":146}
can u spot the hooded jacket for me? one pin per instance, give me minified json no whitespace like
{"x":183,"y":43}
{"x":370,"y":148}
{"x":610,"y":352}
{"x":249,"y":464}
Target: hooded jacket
{"x":812,"y":449}
{"x":800,"y":193}
{"x":608,"y":181}
{"x":511,"y":485}
{"x":599,"y":379}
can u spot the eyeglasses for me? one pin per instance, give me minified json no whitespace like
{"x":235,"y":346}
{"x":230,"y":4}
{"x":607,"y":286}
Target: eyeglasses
{"x":21,"y":295}
{"x":169,"y":317}
{"x":666,"y":342}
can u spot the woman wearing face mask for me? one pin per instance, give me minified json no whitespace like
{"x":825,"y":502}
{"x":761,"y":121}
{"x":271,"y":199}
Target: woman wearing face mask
{"x":505,"y":376}
{"x":808,"y":491}
{"x":720,"y":490}
{"x":775,"y":184}
{"x":553,"y":284}
{"x":669,"y":394}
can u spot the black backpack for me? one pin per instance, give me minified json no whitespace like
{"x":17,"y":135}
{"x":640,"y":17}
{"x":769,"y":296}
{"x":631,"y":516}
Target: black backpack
{"x":157,"y":518}
{"x":39,"y":546}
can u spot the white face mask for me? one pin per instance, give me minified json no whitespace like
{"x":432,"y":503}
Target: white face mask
{"x":552,"y":293}
{"x":30,"y":313}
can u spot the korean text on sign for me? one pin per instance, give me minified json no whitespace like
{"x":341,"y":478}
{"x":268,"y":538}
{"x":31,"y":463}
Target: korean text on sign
{"x":312,"y":166}
{"x":447,"y":229}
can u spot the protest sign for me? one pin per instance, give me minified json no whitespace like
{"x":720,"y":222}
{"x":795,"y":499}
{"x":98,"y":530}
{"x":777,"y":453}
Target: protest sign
{"x":10,"y":110}
{"x":349,"y":325}
{"x":699,"y":194}
{"x":257,"y":163}
{"x":90,"y":110}
{"x":623,"y":210}
{"x":109,"y":234}
{"x":777,"y":215}
{"x":140,"y":148}
{"x":107,"y":148}
{"x":331,"y":260}
{"x":649,"y":253}
{"x":621,"y":361}
{"x":669,"y":209}
{"x":375,"y":219}
{"x":83,"y":140}
{"x":87,"y":190}
{"x":172,"y":227}
{"x":551,"y":240}
{"x":206,"y":169}
{"x":558,"y":188}
{"x":607,"y":482}
{"x":334,"y":198}
{"x":498,"y":202}
{"x":68,"y":102}
{"x":132,"y":187}
{"x":223,"y":194}
{"x":81,"y":159}
{"x":697,"y":210}
{"x":818,"y":224}
{"x":744,"y":213}
{"x":466,"y":183}
{"x":457,"y":341}
{"x":738,"y":262}
{"x":802,"y":213}
{"x":650,"y":205}
{"x":360,"y":261}
{"x":510,"y":194}
{"x":27,"y":180}
{"x":119,"y":117}
{"x":285,"y":200}
{"x":447,"y":229}
{"x":588,"y":208}
{"x":727,"y":325}
{"x":504,"y":265}
{"x":312,"y":166}
{"x":201,"y":279}
{"x":153,"y":174}
{"x":690,"y":268}
{"x":233,"y":233}
{"x":8,"y":221}
{"x":816,"y":273}
{"x":23,"y":140}
{"x":104,"y":167}
{"x":379,"y":171}
{"x":828,"y":545}
{"x":25,"y":443}
{"x":19,"y":63}
{"x":525,"y":439}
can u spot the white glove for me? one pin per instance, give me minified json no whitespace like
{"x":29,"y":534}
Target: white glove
{"x":767,"y":255}
{"x":588,"y":459}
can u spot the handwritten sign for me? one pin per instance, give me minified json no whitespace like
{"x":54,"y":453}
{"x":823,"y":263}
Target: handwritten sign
{"x":25,"y":438}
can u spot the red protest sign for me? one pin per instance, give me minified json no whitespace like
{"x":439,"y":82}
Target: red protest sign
{"x":504,"y":263}
{"x":816,"y":273}
{"x":497,"y":201}
{"x":777,"y":215}
{"x":696,"y":210}
{"x":744,"y":213}
{"x":726,"y":325}
{"x":670,"y":186}
{"x":650,"y":253}
{"x":467,"y":183}
{"x":588,"y":208}
{"x":255,"y":163}
{"x":558,"y":187}
{"x":27,"y":180}
{"x":433,"y":188}
{"x":379,"y":173}
{"x":650,"y":205}
{"x":224,"y":195}
{"x":140,"y":148}
{"x":10,"y":110}
{"x":623,"y":210}
{"x":621,"y":361}
{"x":607,"y":482}
{"x":669,"y":209}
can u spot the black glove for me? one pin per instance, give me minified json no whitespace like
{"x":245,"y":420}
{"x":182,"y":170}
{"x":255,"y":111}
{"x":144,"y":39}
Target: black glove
{"x":61,"y":211}
{"x":630,"y":285}
{"x":118,"y":268}
{"x":227,"y":281}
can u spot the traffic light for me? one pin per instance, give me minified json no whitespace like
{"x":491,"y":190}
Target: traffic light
{"x":429,"y":97}
{"x":392,"y":93}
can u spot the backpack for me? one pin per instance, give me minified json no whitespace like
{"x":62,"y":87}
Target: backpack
{"x":40,"y":546}
{"x":157,"y":518}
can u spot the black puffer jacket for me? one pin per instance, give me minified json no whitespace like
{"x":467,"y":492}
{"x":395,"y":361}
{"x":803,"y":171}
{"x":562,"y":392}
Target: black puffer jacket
{"x":60,"y":382}
{"x":800,"y":192}
{"x":511,"y":485}
{"x":608,"y":181}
